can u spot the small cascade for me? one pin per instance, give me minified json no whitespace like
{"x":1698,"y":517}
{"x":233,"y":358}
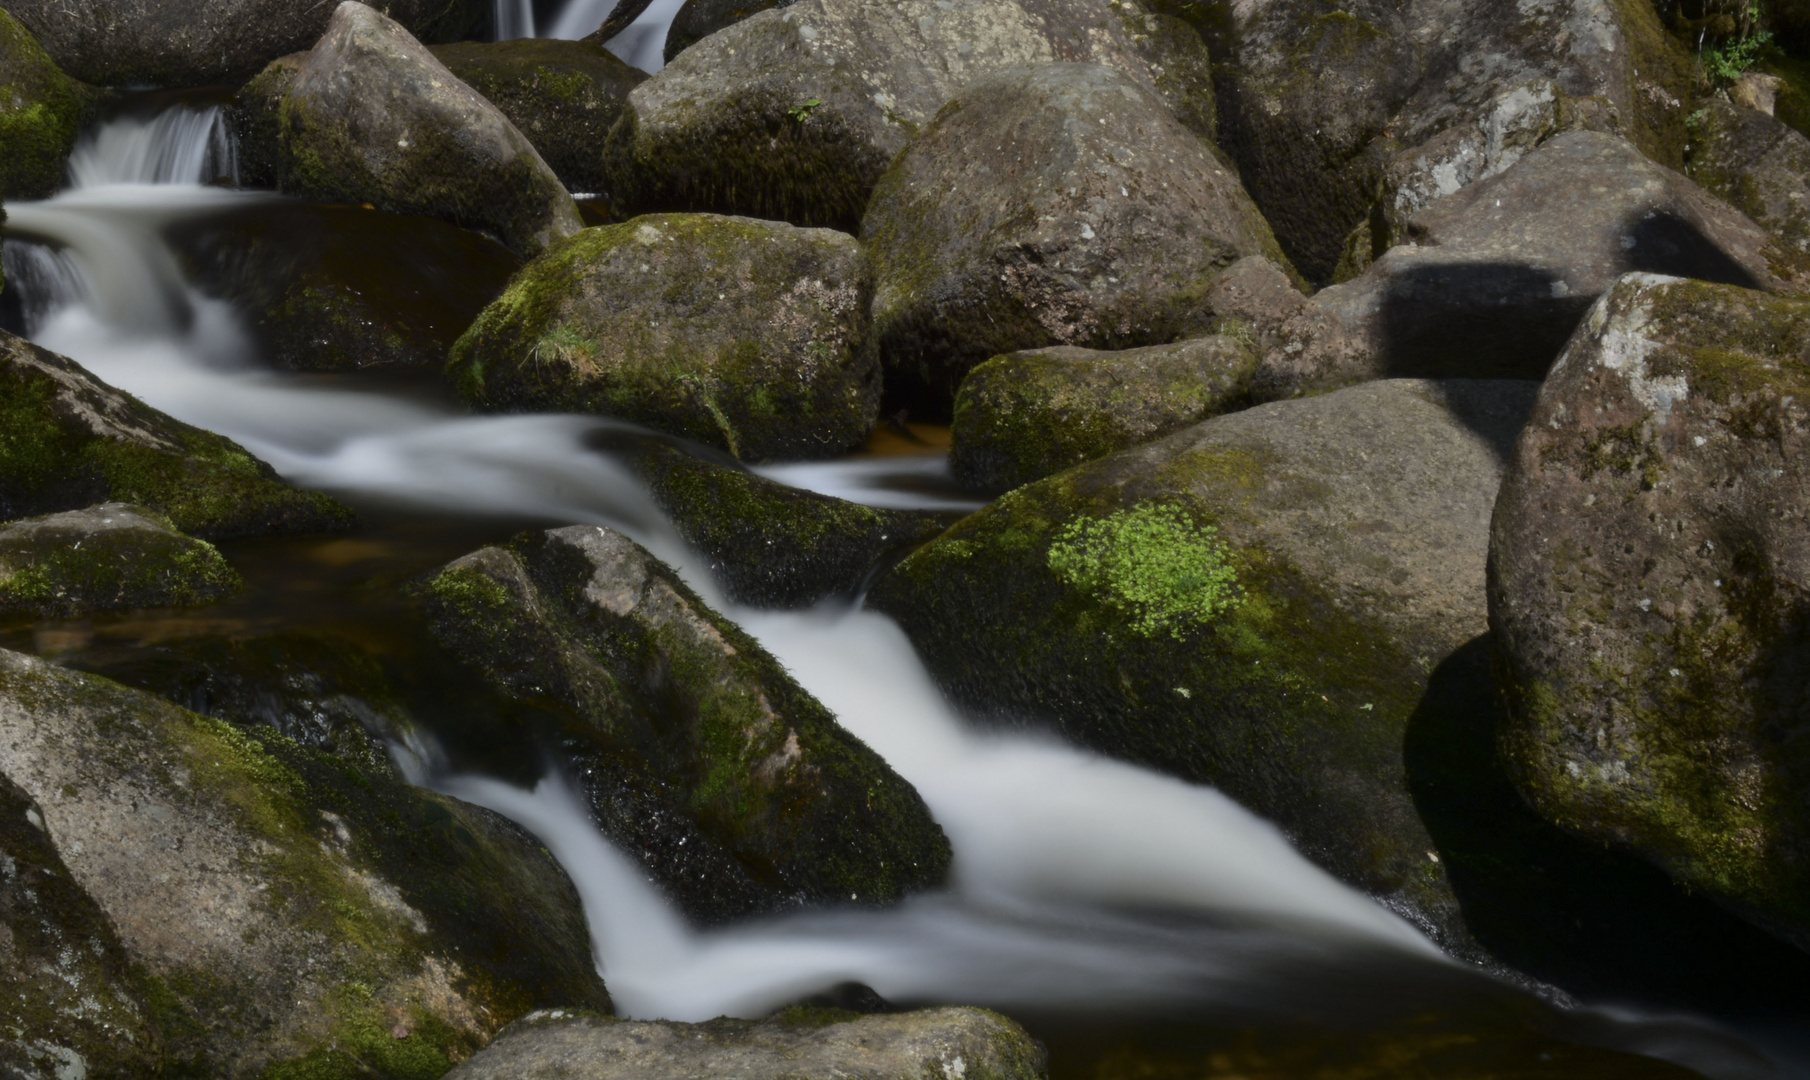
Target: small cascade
{"x":40,"y":280}
{"x":514,"y":19}
{"x":181,"y":145}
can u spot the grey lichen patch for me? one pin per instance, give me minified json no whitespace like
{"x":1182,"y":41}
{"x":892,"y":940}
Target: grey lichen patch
{"x":747,"y":335}
{"x":104,"y":558}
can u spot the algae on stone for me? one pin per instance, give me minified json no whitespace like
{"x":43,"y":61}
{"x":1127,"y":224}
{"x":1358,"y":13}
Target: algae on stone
{"x":68,"y":440}
{"x":107,"y":557}
{"x":750,"y":336}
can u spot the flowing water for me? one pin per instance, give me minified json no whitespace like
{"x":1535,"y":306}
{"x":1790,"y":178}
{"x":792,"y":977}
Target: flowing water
{"x":1082,"y":887}
{"x":641,"y":43}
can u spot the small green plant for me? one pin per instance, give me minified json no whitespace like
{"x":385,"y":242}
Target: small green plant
{"x":802,"y":112}
{"x":1729,"y":59}
{"x":1167,"y":573}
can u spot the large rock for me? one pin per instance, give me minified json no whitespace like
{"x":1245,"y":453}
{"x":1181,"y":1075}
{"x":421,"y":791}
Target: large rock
{"x":793,"y":113}
{"x":74,"y":1006}
{"x":1756,"y":163}
{"x":1648,"y":590}
{"x":750,"y":336}
{"x":289,"y":912}
{"x":1255,"y":602}
{"x":73,"y":441}
{"x":698,"y":753}
{"x":342,"y":288}
{"x":104,"y":558}
{"x":769,"y":545}
{"x":195,"y":42}
{"x":1026,"y":415}
{"x":698,"y":19}
{"x":1317,"y":98}
{"x":1061,"y":204}
{"x":369,"y":116}
{"x":564,"y":95}
{"x":41,"y":113}
{"x":799,"y":1044}
{"x":1495,"y":277}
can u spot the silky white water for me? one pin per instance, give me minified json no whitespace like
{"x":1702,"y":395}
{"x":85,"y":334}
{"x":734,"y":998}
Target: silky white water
{"x":641,"y":43}
{"x":1077,"y":882}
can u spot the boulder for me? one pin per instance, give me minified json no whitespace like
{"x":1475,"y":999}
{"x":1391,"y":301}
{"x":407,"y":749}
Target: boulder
{"x":74,"y":1006}
{"x":369,"y":116}
{"x":1316,"y":99}
{"x":1760,"y":166}
{"x":769,"y":545}
{"x":291,"y":915}
{"x":1061,"y":204}
{"x":698,"y":19}
{"x":1647,"y":588}
{"x":197,"y":42}
{"x":73,"y":441}
{"x":1495,"y":277}
{"x":698,"y":753}
{"x":342,"y":288}
{"x":563,"y":95}
{"x":1026,"y":415}
{"x":106,"y":558}
{"x":798,"y":1044}
{"x":42,"y":111}
{"x":750,"y":336}
{"x":793,"y":113}
{"x":1255,"y":602}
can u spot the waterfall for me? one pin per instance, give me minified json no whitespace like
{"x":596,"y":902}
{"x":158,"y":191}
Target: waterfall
{"x":514,"y":19}
{"x":1078,"y":881}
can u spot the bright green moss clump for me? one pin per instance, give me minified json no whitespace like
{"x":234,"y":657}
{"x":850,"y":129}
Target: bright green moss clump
{"x":1165,"y":572}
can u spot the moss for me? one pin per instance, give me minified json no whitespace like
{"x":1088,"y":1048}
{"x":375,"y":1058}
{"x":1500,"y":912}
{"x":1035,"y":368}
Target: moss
{"x":42,"y":112}
{"x":1162,"y":569}
{"x":64,"y":573}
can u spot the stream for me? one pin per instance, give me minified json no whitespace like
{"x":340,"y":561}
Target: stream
{"x":1089,"y":898}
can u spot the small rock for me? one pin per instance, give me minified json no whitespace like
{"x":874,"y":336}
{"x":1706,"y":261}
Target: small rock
{"x":1494,"y":278}
{"x":700,"y":755}
{"x":1026,"y":415}
{"x":369,"y":116}
{"x":106,"y":558}
{"x":1061,"y":204}
{"x":1756,"y":163}
{"x":1646,"y":574}
{"x":798,"y":1044}
{"x":750,"y":336}
{"x":73,"y":441}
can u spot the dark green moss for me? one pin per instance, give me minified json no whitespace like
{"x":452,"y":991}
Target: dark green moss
{"x":77,"y":569}
{"x":42,"y":114}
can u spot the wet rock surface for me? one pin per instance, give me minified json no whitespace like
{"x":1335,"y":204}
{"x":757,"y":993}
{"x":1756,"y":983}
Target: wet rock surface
{"x":370,"y":116}
{"x":563,"y":95}
{"x":74,"y":1006}
{"x":793,"y":113}
{"x":73,"y":441}
{"x":1026,"y":415}
{"x":196,"y":42}
{"x":41,"y":113}
{"x":107,"y":557}
{"x":1061,"y":204}
{"x":287,"y":910}
{"x":342,"y":288}
{"x":1758,"y":165}
{"x":799,"y":1044}
{"x":1646,"y":590}
{"x":695,"y":733}
{"x":1495,"y":278}
{"x":770,"y":545}
{"x":748,"y":336}
{"x":1255,"y":602}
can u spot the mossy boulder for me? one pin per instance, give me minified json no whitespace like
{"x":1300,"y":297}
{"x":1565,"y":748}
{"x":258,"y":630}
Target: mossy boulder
{"x":342,"y":288}
{"x":770,"y":545}
{"x":1495,"y":277}
{"x":369,"y":116}
{"x":293,"y":915}
{"x":1648,"y":591}
{"x":74,"y":1006}
{"x":1761,"y":166}
{"x":42,"y":111}
{"x":1027,"y":415}
{"x":1316,"y":99}
{"x":155,"y":43}
{"x":68,"y":440}
{"x":793,"y":113}
{"x":699,"y":754}
{"x":798,"y":1044}
{"x":1060,"y":204}
{"x":749,"y":336}
{"x":106,"y":558}
{"x":1255,"y":603}
{"x":563,"y":95}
